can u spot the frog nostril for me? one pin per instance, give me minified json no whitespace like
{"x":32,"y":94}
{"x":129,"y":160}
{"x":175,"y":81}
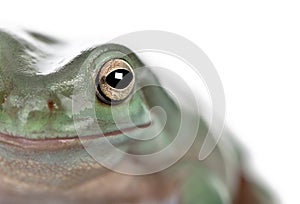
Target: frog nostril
{"x":52,"y":105}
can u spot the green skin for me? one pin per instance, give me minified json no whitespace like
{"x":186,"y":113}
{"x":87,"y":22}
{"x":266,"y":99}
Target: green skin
{"x":42,"y":157}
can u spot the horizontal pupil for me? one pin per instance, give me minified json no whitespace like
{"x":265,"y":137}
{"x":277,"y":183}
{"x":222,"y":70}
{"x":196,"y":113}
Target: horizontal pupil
{"x":119,"y":78}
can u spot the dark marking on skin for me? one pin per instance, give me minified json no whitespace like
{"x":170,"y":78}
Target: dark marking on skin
{"x":4,"y":99}
{"x":52,"y":105}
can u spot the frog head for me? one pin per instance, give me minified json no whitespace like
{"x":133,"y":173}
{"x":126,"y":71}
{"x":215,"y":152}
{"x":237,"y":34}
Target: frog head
{"x":39,"y":143}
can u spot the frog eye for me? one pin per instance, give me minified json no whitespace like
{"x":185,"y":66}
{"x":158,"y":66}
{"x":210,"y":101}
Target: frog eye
{"x":115,"y":81}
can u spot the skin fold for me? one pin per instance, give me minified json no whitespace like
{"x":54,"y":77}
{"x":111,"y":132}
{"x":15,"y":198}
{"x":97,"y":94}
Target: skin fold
{"x":43,"y":159}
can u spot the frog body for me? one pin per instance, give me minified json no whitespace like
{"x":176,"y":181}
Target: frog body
{"x":43,"y":159}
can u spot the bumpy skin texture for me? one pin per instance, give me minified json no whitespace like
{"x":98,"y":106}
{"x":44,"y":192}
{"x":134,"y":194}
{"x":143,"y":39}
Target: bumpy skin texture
{"x":42,"y":159}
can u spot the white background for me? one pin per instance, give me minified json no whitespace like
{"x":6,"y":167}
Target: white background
{"x":254,"y":45}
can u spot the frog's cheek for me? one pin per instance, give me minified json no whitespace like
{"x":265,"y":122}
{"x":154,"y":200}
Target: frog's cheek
{"x":131,"y":114}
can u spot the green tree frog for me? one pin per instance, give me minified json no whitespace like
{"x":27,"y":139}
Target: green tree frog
{"x":43,"y":160}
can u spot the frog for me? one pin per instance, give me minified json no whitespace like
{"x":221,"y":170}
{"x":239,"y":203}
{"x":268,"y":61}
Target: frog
{"x":44,"y":159}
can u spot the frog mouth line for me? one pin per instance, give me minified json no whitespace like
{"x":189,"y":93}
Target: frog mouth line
{"x":60,"y":143}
